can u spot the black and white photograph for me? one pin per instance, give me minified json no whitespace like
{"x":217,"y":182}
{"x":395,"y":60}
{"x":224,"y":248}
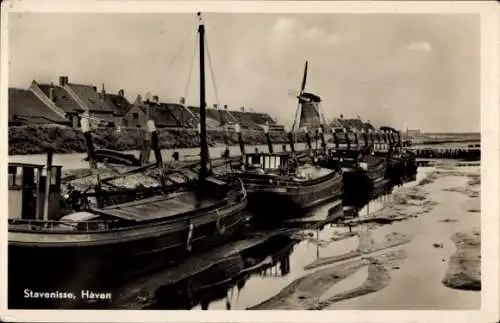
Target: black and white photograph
{"x":307,"y":158}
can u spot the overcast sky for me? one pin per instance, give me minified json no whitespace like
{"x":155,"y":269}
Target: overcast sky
{"x":415,"y":71}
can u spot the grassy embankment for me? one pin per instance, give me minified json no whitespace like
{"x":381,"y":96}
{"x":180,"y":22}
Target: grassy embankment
{"x":35,"y":139}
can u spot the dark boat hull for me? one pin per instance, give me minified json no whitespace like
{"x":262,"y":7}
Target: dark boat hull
{"x":401,"y":168}
{"x":115,"y":157}
{"x":276,"y":204}
{"x":100,"y":266}
{"x":357,"y":179}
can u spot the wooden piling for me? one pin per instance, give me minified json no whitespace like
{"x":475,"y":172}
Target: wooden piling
{"x":88,"y":141}
{"x":48,"y":178}
{"x":155,"y":144}
{"x":336,"y":140}
{"x":322,"y":137}
{"x":240,"y":140}
{"x":268,"y":139}
{"x":290,"y":139}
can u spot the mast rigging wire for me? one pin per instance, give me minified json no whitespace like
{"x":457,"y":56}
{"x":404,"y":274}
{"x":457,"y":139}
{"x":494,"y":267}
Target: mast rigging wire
{"x":216,"y":92}
{"x":193,"y":57}
{"x":174,"y":58}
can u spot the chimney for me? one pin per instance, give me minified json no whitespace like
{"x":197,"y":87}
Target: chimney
{"x":63,"y":80}
{"x":156,"y":99}
{"x":242,"y":109}
{"x":215,"y":105}
{"x":138,"y":99}
{"x":121,"y":93}
{"x":225,"y":107}
{"x":183,"y":100}
{"x":103,"y":90}
{"x":51,"y":92}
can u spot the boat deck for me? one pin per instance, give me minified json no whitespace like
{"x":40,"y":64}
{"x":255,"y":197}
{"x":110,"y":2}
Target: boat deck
{"x":309,"y":172}
{"x":158,"y":207}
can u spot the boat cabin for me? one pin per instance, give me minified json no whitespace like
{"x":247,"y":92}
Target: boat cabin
{"x":267,"y":162}
{"x":347,"y":157}
{"x":82,"y":221}
{"x":27,"y":191}
{"x":346,"y":154}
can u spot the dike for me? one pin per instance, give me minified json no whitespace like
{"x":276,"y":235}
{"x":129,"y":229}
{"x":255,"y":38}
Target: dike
{"x":36,"y":139}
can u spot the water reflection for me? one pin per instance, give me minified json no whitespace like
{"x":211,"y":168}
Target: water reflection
{"x":219,"y":282}
{"x":253,"y":274}
{"x":245,"y":272}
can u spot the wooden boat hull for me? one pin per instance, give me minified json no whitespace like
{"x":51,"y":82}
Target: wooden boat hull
{"x":275,"y":204}
{"x":401,"y":168}
{"x":361,"y":198}
{"x":94,"y":262}
{"x":115,"y":157}
{"x":356,"y":179}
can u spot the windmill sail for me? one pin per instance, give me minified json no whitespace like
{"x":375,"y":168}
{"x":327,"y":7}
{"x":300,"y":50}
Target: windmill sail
{"x":309,"y":112}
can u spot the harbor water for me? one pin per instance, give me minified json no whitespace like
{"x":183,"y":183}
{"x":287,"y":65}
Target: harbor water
{"x":76,"y":161}
{"x":229,"y":283}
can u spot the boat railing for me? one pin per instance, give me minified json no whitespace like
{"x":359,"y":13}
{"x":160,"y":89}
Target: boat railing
{"x":54,"y":225}
{"x":281,"y":181}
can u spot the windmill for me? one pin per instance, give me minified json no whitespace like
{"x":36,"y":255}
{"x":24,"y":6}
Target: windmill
{"x":309,"y":101}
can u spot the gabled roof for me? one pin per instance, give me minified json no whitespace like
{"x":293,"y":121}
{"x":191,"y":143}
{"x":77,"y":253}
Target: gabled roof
{"x":369,"y":125}
{"x":182,"y":115}
{"x":211,"y":123}
{"x":119,"y":104}
{"x":160,"y":113}
{"x":61,"y":97}
{"x":336,"y":123}
{"x":25,"y":104}
{"x":351,"y":124}
{"x":93,"y":99}
{"x":387,"y":128}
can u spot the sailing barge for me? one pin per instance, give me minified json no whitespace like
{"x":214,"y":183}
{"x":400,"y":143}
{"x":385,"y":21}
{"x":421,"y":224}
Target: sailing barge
{"x":364,"y":170}
{"x":401,"y":162}
{"x":98,"y":246}
{"x":278,"y":189}
{"x":279,"y":185}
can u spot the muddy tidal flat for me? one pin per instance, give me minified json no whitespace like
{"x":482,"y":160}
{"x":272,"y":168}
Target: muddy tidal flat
{"x":425,"y":238}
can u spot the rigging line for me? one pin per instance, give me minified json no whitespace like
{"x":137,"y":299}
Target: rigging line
{"x":191,"y":68}
{"x":176,"y":55}
{"x":172,"y":76}
{"x":212,"y":73}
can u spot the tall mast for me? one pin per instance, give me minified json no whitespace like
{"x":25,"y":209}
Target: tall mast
{"x":204,"y":171}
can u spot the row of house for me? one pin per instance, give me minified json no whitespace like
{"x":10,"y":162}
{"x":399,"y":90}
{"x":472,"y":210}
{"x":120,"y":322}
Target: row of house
{"x":65,"y":103}
{"x":339,"y":124}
